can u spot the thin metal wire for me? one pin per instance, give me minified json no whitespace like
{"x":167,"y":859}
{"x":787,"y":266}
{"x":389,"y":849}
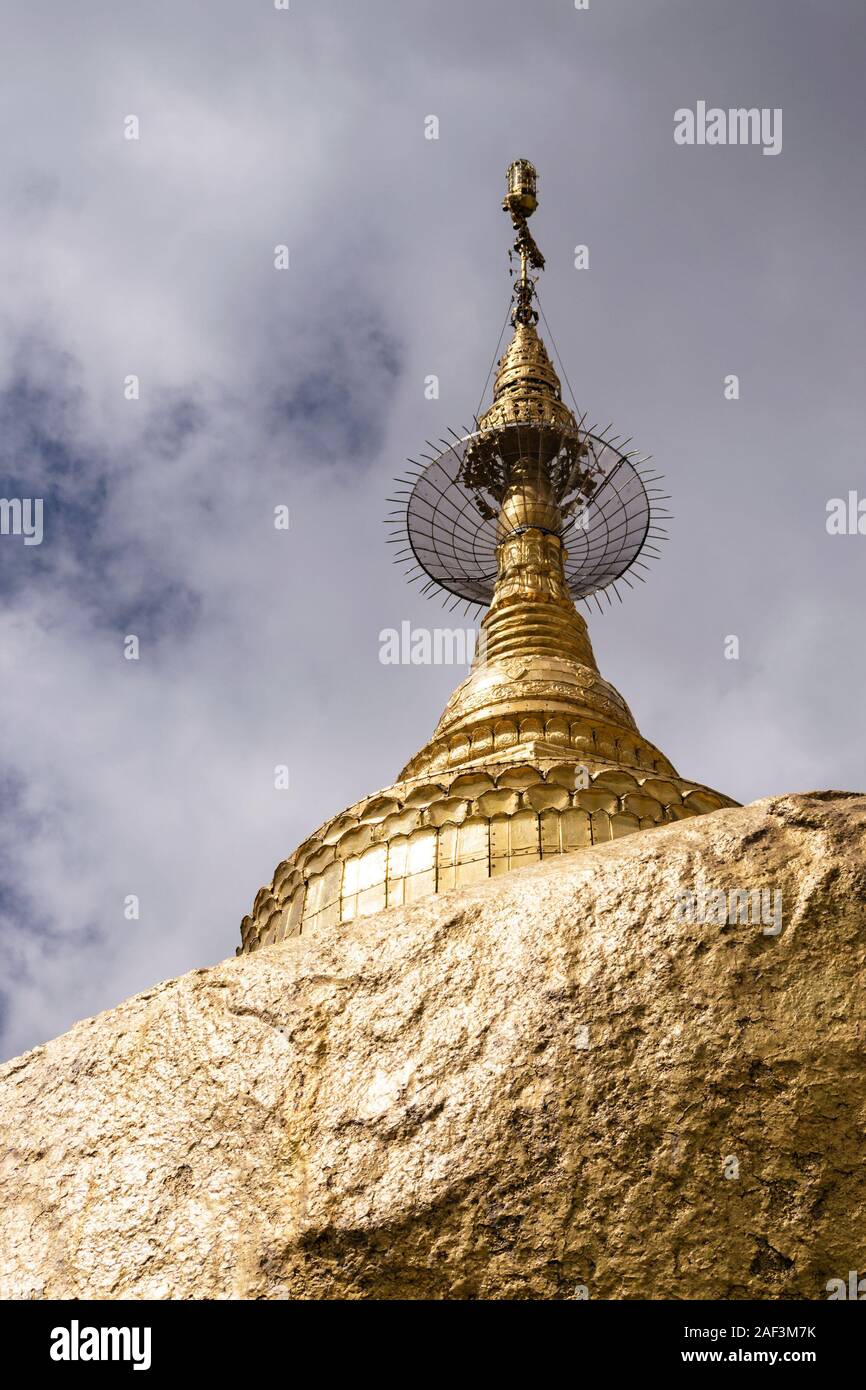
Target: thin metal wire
{"x":495,"y":358}
{"x":556,"y":353}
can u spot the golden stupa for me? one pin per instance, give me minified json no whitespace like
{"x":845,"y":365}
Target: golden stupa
{"x":535,"y":753}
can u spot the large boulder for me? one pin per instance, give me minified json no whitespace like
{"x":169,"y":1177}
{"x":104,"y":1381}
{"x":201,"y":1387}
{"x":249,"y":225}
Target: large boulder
{"x":553,"y":1083}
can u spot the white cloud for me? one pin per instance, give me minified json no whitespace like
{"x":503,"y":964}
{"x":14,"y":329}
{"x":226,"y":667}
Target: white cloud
{"x":306,"y":387}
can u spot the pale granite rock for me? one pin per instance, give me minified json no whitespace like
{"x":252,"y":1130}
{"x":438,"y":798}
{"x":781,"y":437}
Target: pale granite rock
{"x":545,"y":1082}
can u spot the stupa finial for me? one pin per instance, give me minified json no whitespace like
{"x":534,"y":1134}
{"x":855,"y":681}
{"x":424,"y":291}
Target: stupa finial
{"x":521,"y":200}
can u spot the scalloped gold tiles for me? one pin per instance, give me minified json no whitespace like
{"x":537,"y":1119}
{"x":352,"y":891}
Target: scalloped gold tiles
{"x":318,"y":861}
{"x":354,"y":841}
{"x":521,"y":775}
{"x":451,"y":808}
{"x":544,"y":797}
{"x":623,"y":824}
{"x":500,"y":845}
{"x":615,"y":781}
{"x":467,"y":826}
{"x":296,"y":911}
{"x":664,"y":791}
{"x":600,"y":824}
{"x":644,"y":807}
{"x":530,"y":729}
{"x":425,"y":794}
{"x":525,"y":837}
{"x":549,"y":827}
{"x":378,"y":808}
{"x":598,"y":800}
{"x":482,"y":742}
{"x":504,"y":802}
{"x":401,"y":823}
{"x":458,"y":749}
{"x":504,"y":733}
{"x":556,"y":730}
{"x":702,"y":801}
{"x":335,"y":828}
{"x":575,"y":829}
{"x":421,"y":865}
{"x":472,"y":785}
{"x":563,"y":775}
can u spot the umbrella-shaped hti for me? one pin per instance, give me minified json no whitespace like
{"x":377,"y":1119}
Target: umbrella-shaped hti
{"x":451,"y":531}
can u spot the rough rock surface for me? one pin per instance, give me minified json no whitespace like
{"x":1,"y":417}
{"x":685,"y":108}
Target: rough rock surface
{"x":544,"y":1082}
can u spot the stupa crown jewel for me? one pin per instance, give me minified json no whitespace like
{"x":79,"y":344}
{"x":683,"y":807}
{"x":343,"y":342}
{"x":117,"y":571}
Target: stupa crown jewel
{"x":535,"y":754}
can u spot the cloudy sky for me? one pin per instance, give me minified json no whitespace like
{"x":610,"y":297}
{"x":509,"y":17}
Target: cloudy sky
{"x":259,"y":387}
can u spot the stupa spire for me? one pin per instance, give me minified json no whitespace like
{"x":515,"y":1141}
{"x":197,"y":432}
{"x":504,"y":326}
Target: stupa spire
{"x":531,"y":611}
